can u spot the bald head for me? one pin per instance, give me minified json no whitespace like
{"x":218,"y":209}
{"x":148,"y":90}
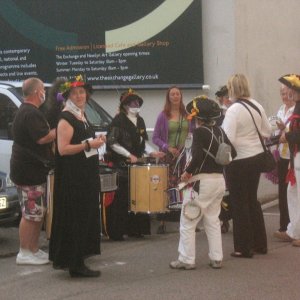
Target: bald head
{"x":30,"y":86}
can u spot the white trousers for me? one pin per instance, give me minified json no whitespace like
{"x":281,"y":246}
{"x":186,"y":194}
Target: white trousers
{"x":293,"y":197}
{"x":211,"y":192}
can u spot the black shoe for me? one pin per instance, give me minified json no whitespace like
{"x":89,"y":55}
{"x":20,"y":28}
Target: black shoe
{"x":84,"y":272}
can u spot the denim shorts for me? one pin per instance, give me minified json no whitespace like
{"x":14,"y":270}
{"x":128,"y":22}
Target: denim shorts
{"x":33,"y":201}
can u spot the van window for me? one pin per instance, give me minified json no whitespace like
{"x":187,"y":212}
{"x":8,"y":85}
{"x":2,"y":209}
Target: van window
{"x":7,"y":113}
{"x":97,"y":116}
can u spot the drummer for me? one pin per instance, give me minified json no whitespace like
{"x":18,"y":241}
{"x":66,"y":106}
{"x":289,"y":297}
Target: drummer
{"x":126,"y":141}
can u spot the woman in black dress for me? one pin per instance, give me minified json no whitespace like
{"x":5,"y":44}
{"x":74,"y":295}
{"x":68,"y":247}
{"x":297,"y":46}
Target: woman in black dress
{"x":76,"y":218}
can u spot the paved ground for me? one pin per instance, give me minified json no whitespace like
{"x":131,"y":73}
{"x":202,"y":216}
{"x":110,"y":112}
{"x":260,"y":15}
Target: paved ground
{"x":138,"y":269}
{"x":9,"y":241}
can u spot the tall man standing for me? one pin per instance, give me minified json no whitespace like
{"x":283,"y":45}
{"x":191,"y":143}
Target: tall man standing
{"x":31,"y":148}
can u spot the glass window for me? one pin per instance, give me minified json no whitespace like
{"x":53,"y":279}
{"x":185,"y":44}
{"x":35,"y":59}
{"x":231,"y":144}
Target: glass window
{"x":7,"y":113}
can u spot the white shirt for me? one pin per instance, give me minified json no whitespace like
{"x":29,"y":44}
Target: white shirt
{"x":241,"y":131}
{"x":284,"y":148}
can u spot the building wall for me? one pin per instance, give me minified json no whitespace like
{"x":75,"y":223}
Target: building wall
{"x":267,"y":45}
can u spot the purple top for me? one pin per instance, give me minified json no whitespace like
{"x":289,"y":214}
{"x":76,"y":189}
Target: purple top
{"x":161,"y":130}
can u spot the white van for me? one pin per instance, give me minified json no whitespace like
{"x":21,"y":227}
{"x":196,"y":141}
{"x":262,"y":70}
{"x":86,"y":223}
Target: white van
{"x":10,"y":100}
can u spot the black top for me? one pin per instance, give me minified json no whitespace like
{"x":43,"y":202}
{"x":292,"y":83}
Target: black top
{"x":129,"y":136}
{"x":28,"y":127}
{"x":201,"y":140}
{"x":293,"y":136}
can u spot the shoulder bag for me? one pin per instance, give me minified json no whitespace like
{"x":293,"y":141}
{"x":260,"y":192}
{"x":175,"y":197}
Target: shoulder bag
{"x":267,"y":161}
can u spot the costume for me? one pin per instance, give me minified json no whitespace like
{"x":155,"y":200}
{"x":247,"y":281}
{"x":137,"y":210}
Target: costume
{"x":243,"y":174}
{"x":209,"y":189}
{"x":282,"y":167}
{"x":293,"y":195}
{"x":76,"y":217}
{"x":131,"y":137}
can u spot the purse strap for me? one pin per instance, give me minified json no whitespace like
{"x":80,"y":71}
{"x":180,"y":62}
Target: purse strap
{"x":178,"y":133}
{"x":260,"y":137}
{"x":250,"y":104}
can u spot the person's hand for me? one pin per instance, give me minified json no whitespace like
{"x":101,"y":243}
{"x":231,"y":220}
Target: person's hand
{"x":174,"y":151}
{"x":157,"y":154}
{"x":280,"y":125}
{"x":133,"y":159}
{"x":98,"y":141}
{"x":185,"y":176}
{"x":282,"y":138}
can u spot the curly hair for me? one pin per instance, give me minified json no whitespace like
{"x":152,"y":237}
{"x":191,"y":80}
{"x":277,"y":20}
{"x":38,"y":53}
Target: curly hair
{"x":52,"y":106}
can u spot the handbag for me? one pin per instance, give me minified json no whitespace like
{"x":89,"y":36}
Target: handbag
{"x":266,"y":160}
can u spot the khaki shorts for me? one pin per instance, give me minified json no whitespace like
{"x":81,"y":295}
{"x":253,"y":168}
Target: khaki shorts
{"x":33,"y":201}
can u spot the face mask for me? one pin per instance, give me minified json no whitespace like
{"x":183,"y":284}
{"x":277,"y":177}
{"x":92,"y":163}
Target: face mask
{"x":134,"y":110}
{"x":42,"y":98}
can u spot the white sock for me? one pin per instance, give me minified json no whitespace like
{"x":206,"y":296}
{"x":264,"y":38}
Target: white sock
{"x":25,"y":251}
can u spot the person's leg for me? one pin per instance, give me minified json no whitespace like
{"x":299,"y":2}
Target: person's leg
{"x":237,"y":179}
{"x":187,"y":243}
{"x":211,"y":220}
{"x":33,"y":205}
{"x":282,"y":193}
{"x":257,"y":225}
{"x":293,"y":229}
{"x":29,"y":232}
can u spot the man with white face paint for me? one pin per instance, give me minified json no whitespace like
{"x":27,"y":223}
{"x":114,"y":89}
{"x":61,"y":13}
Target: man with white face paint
{"x":292,"y":234}
{"x":32,"y":140}
{"x":126,"y":141}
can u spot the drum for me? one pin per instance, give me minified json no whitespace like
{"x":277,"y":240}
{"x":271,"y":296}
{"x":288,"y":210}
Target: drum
{"x":175,"y":198}
{"x":49,"y":212}
{"x":108,"y":179}
{"x":148,"y":184}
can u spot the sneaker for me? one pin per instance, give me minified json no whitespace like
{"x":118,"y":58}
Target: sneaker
{"x":30,"y":259}
{"x":215,"y":264}
{"x":41,"y":254}
{"x":282,"y":235}
{"x":177,"y":264}
{"x":296,"y":243}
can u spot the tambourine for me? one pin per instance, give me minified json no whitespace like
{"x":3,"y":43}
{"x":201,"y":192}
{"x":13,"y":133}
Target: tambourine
{"x":191,"y":208}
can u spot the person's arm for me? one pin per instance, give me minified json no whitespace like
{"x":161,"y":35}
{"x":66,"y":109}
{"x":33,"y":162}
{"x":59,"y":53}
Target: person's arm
{"x":64,"y":135}
{"x":50,"y":137}
{"x":156,"y":138}
{"x":266,"y":128}
{"x":230,"y":125}
{"x":120,"y":150}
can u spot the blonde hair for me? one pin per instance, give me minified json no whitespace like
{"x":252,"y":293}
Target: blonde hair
{"x":238,"y":87}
